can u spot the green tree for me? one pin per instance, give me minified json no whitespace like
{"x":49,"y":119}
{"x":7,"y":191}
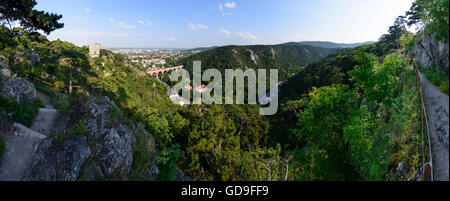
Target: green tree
{"x":29,"y":18}
{"x":6,"y":38}
{"x":436,"y":17}
{"x":75,"y":62}
{"x":434,"y":14}
{"x":321,"y":125}
{"x":389,"y":41}
{"x":379,"y":83}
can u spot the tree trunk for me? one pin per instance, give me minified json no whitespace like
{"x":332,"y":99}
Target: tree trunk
{"x":70,"y":80}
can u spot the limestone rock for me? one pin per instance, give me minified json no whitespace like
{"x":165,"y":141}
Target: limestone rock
{"x":21,"y":145}
{"x":18,"y":89}
{"x":5,"y":73}
{"x":153,"y":171}
{"x":104,"y":151}
{"x":59,"y":163}
{"x":77,"y":151}
{"x":114,"y":154}
{"x":27,"y":56}
{"x":181,"y":177}
{"x":428,"y":51}
{"x":3,"y":63}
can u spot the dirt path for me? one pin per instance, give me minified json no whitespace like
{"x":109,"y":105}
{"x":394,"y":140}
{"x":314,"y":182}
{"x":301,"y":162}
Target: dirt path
{"x":436,"y":104}
{"x":43,"y":122}
{"x":45,"y":99}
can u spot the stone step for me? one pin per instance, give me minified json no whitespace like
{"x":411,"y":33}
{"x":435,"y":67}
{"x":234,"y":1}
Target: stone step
{"x":43,"y":123}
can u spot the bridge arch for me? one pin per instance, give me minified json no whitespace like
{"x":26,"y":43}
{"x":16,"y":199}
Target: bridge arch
{"x":155,"y":71}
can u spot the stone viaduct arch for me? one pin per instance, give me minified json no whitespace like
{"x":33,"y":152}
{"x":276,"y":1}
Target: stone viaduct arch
{"x":156,"y":70}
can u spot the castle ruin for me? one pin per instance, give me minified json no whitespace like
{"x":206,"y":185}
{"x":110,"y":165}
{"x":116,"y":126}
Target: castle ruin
{"x":94,"y":50}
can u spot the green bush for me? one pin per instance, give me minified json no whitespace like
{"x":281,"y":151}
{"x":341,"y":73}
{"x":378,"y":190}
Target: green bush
{"x":437,"y":76}
{"x":26,"y":111}
{"x":444,"y":86}
{"x":166,"y":161}
{"x":79,"y":128}
{"x":143,"y":155}
{"x":62,"y":106}
{"x":58,"y":138}
{"x":23,"y":112}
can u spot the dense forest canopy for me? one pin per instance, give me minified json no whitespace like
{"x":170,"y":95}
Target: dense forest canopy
{"x":288,"y":59}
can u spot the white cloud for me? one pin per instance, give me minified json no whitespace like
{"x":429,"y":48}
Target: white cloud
{"x":112,"y":20}
{"x":201,"y":26}
{"x":225,"y":8}
{"x":145,"y":22}
{"x":224,"y":31}
{"x":169,"y":39}
{"x":246,"y":35}
{"x":195,"y":27}
{"x":230,"y":5}
{"x":191,"y":26}
{"x":122,"y":25}
{"x":88,"y":10}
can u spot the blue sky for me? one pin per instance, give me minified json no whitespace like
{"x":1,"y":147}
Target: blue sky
{"x":200,"y":23}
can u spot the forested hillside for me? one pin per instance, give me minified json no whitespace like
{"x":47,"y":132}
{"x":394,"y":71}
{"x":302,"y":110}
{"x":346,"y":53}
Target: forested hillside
{"x":288,"y":59}
{"x":355,"y":114}
{"x":330,"y":45}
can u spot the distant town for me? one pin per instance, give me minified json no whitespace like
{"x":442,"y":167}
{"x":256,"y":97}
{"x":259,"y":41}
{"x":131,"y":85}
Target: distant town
{"x":152,"y":58}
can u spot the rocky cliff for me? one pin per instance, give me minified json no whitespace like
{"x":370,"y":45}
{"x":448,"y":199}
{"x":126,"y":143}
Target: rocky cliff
{"x":428,"y":51}
{"x":104,"y":150}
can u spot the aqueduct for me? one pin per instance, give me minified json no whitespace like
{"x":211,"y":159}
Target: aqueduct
{"x":156,"y":70}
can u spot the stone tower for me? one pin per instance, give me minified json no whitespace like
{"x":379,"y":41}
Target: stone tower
{"x":94,"y":50}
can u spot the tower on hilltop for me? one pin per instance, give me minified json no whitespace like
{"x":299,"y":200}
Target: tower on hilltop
{"x":94,"y":50}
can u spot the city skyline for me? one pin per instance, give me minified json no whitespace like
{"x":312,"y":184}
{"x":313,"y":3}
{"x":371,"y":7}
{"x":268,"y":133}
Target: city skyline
{"x":203,"y":23}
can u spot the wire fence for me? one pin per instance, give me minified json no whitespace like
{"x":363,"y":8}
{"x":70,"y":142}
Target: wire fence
{"x":427,"y":162}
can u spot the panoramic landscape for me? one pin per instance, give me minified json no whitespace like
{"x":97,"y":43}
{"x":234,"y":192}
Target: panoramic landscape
{"x":224,"y":90}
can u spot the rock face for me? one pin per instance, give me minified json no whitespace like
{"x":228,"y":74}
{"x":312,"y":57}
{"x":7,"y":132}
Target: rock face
{"x":153,"y":171}
{"x":104,"y":151}
{"x":428,"y":51}
{"x":3,"y":63}
{"x":62,"y":163}
{"x":20,"y":144}
{"x":18,"y":89}
{"x":27,"y":56}
{"x":181,"y":177}
{"x":114,"y":154}
{"x":5,"y":73}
